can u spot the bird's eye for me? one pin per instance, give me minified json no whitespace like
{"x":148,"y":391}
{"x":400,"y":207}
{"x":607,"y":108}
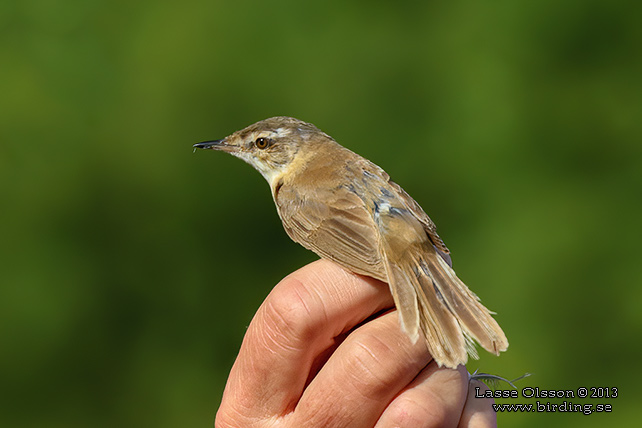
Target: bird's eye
{"x":262,"y":143}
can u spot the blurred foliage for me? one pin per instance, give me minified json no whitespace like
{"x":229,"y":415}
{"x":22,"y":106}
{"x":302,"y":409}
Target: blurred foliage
{"x":130,"y":267}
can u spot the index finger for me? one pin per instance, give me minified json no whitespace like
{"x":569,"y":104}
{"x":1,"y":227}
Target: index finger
{"x":300,"y":320}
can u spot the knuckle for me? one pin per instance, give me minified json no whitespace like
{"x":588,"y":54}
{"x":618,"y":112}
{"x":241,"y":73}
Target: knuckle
{"x":234,"y":413}
{"x":367,"y":366}
{"x":225,"y":419}
{"x":292,"y":311}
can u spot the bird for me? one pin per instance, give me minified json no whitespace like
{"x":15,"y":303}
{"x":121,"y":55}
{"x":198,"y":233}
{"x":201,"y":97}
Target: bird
{"x":347,"y":209}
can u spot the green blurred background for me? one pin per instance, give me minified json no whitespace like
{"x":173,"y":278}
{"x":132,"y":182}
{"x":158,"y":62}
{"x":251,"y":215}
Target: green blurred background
{"x":130,"y":267}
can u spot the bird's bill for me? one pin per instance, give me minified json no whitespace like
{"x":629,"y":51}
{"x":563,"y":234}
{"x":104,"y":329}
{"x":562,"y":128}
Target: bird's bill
{"x":215,"y":145}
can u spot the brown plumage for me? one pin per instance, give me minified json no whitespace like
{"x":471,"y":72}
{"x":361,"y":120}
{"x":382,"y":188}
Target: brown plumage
{"x":346,"y":209}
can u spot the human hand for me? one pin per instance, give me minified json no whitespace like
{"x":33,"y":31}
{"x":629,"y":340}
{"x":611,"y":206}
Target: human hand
{"x":323,"y":351}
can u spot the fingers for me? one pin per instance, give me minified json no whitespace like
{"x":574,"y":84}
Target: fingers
{"x":298,"y":321}
{"x":363,"y":376}
{"x":370,"y":378}
{"x":478,"y":412}
{"x":435,"y":398}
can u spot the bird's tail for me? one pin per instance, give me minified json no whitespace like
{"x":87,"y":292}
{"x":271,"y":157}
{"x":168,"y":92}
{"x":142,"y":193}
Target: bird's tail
{"x":434,"y":302}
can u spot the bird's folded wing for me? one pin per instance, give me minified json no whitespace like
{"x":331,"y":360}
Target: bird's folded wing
{"x":335,"y":224}
{"x":378,"y":173}
{"x":420,"y":214}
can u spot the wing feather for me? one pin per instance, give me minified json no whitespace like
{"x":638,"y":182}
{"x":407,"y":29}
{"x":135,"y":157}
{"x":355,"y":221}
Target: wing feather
{"x":420,"y":214}
{"x":335,"y":224}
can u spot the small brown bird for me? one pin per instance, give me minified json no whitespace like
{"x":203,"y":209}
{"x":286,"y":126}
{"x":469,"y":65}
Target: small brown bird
{"x":346,"y":209}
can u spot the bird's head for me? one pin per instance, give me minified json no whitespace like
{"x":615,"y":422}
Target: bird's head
{"x":271,"y":145}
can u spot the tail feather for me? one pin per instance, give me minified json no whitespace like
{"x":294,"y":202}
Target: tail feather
{"x":426,"y":314}
{"x":475,"y":319}
{"x":454,"y":343}
{"x":430,"y":298}
{"x":405,"y":300}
